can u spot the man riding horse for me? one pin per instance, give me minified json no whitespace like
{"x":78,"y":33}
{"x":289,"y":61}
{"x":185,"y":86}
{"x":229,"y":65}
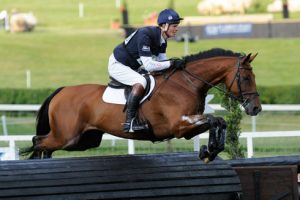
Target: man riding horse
{"x":146,"y":49}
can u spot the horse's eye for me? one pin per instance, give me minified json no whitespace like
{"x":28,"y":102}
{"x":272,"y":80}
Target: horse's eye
{"x":246,"y":78}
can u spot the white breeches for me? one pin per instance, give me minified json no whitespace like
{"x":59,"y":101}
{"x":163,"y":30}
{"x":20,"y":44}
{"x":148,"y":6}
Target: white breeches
{"x":123,"y":73}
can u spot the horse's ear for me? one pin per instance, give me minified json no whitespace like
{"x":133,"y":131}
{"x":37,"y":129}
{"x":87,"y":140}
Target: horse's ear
{"x":252,"y":57}
{"x":246,"y":58}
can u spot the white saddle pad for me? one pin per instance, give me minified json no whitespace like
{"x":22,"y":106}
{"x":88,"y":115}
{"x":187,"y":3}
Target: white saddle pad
{"x":116,"y":96}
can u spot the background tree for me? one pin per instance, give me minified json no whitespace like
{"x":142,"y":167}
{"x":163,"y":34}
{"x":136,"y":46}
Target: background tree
{"x":233,"y":119}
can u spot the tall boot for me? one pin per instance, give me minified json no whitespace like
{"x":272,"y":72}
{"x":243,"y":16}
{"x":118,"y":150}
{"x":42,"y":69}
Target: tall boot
{"x":131,"y":123}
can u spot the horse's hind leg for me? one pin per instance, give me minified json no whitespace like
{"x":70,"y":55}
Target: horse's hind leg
{"x":44,"y":146}
{"x":89,"y":139}
{"x":39,"y":153}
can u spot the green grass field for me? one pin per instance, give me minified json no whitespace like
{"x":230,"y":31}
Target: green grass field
{"x":66,"y":50}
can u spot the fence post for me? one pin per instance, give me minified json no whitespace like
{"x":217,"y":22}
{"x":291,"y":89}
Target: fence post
{"x":250,"y":139}
{"x":196,"y":143}
{"x":249,"y":146}
{"x":28,"y":78}
{"x":131,"y":147}
{"x":4,"y":125}
{"x":12,"y":149}
{"x":81,"y":10}
{"x":186,"y":43}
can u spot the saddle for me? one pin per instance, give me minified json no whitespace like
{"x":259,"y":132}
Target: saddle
{"x":127,"y":88}
{"x":117,"y":93}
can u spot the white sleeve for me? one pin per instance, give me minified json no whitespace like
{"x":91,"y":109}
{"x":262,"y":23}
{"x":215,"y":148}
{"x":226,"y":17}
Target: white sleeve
{"x":162,"y":56}
{"x":151,"y":65}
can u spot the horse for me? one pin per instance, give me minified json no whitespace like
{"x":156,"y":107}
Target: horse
{"x":74,"y":118}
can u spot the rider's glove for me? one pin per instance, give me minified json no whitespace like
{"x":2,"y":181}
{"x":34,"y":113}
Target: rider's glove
{"x":177,"y":63}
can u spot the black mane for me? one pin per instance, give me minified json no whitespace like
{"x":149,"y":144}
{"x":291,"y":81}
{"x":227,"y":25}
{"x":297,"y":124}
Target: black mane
{"x":211,"y":53}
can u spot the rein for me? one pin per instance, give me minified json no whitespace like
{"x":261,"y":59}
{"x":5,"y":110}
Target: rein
{"x":237,"y":76}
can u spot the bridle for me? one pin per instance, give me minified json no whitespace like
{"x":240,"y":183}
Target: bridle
{"x":243,"y":97}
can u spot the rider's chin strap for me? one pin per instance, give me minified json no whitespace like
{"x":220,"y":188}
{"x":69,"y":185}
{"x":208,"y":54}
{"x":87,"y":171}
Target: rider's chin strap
{"x":165,"y":30}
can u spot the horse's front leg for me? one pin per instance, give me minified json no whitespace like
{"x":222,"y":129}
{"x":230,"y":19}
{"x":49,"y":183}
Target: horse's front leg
{"x":192,"y":125}
{"x":216,"y":141}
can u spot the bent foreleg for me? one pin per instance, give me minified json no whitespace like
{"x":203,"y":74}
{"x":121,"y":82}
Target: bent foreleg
{"x":192,"y":125}
{"x":216,"y":141}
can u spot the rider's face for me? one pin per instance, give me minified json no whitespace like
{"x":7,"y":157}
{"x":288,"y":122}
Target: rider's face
{"x":170,"y":30}
{"x":173,"y":28}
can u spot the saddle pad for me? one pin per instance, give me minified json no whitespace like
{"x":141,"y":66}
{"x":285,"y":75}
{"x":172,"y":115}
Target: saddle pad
{"x":116,"y":96}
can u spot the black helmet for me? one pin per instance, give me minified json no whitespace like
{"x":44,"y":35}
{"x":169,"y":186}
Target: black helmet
{"x":168,"y":16}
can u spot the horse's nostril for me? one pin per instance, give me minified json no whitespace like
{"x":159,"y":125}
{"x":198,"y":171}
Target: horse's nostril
{"x":256,"y":109}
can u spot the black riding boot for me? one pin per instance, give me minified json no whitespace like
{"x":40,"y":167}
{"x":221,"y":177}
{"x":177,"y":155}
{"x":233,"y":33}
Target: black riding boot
{"x":131,"y":123}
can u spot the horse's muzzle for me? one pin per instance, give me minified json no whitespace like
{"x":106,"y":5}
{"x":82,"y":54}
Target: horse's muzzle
{"x":252,"y":109}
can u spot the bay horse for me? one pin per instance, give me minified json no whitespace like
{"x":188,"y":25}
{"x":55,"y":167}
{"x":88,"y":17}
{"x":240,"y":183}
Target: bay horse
{"x":76,"y":117}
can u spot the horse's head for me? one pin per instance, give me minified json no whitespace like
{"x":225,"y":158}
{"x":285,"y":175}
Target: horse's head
{"x":234,"y":69}
{"x":241,"y":84}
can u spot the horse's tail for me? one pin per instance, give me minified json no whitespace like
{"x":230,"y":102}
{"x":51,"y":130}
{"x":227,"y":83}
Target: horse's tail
{"x":42,"y":121}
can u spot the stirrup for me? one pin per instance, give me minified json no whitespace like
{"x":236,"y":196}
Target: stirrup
{"x":127,"y":126}
{"x":134,"y":126}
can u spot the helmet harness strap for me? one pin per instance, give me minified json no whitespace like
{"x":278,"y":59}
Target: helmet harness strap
{"x":165,"y":29}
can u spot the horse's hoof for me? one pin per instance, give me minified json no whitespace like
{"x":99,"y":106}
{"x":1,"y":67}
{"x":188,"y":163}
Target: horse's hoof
{"x":206,"y":160}
{"x":203,"y":152}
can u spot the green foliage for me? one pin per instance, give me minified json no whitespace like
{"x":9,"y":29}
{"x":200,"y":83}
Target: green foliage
{"x":280,"y":94}
{"x":24,"y":96}
{"x":270,"y":94}
{"x":259,"y":6}
{"x":233,"y":120}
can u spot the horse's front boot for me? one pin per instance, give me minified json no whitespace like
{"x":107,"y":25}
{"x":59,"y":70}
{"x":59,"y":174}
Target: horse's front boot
{"x":132,"y":124}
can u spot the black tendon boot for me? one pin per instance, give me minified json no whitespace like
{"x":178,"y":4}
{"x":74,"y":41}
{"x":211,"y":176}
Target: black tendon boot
{"x":132,"y":124}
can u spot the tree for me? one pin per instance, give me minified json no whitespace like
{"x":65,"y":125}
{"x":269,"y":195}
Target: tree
{"x":233,"y":120}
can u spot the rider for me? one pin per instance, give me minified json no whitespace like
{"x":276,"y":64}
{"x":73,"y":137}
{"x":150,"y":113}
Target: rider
{"x":145,"y":48}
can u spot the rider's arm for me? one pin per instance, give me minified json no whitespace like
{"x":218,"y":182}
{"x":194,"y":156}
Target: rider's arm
{"x":151,"y":65}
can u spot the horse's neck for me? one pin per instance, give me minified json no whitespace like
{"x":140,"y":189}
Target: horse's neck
{"x":212,"y":70}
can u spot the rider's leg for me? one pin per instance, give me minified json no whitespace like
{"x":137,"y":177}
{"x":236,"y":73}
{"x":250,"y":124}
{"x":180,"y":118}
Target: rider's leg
{"x":133,"y":102}
{"x":128,"y":76}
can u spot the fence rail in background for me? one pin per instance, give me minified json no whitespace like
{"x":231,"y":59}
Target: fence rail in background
{"x":12,"y":152}
{"x":131,"y":150}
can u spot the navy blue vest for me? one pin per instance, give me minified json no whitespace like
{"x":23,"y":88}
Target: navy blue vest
{"x":143,"y":42}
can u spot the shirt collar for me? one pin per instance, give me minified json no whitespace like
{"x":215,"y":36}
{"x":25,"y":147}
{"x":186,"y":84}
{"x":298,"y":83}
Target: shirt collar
{"x":162,"y":40}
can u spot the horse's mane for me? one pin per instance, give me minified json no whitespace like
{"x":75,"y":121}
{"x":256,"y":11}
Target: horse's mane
{"x":211,"y":53}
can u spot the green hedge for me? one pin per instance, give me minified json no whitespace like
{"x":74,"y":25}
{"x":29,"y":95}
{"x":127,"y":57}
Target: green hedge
{"x":24,"y":96}
{"x":268,"y":95}
{"x":271,"y":95}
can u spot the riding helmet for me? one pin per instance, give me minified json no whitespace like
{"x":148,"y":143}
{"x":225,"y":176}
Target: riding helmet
{"x":168,"y":16}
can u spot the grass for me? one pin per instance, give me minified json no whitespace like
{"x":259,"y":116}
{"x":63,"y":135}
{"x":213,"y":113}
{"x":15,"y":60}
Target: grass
{"x":67,"y":58}
{"x":67,"y":50}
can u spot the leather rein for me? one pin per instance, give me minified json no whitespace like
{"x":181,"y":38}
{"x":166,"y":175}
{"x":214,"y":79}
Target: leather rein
{"x":242,"y":95}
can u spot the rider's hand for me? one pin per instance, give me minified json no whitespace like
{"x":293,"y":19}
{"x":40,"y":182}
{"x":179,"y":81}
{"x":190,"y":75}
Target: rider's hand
{"x":177,"y":63}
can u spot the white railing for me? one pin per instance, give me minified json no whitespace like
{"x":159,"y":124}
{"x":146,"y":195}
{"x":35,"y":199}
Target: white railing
{"x":11,"y":152}
{"x":248,"y":135}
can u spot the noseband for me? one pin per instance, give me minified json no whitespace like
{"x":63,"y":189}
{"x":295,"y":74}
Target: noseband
{"x":242,"y":95}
